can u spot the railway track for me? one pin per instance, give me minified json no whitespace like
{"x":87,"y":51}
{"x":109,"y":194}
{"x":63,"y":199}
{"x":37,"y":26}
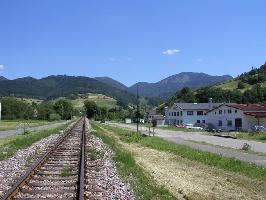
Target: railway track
{"x":59,"y":173}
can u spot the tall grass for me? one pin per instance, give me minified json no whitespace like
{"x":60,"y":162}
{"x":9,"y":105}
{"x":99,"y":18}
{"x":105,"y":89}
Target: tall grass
{"x":211,"y":159}
{"x":143,"y":184}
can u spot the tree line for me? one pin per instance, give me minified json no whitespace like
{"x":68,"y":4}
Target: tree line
{"x":14,"y":108}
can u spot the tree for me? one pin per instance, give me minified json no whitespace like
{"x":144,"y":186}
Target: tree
{"x":240,"y":85}
{"x":13,"y":108}
{"x":45,"y":110}
{"x":91,"y":108}
{"x":64,"y":108}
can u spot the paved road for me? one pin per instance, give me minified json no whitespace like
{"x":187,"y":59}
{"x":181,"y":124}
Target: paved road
{"x":37,"y":128}
{"x":179,"y":138}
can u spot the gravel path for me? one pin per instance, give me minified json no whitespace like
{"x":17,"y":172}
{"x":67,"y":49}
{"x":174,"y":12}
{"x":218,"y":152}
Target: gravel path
{"x":182,"y":138}
{"x":37,"y":128}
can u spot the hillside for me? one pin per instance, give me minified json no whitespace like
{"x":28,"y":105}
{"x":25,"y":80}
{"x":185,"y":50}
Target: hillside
{"x":246,"y":80}
{"x":99,"y":99}
{"x":249,"y":87}
{"x":59,"y":86}
{"x":168,"y":86}
{"x":111,"y":82}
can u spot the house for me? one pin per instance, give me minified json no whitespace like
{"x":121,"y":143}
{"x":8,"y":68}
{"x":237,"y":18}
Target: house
{"x":148,"y":115}
{"x":232,"y":116}
{"x":158,"y":120}
{"x":188,"y":113}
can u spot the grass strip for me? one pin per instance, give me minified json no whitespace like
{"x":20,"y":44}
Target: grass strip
{"x":211,"y":159}
{"x":143,"y":184}
{"x":10,"y":145}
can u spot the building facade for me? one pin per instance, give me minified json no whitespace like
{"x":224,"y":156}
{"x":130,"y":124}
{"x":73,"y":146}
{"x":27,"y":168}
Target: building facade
{"x":188,"y":113}
{"x":230,"y":117}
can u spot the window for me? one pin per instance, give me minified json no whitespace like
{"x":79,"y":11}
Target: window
{"x":215,"y":113}
{"x":229,"y":123}
{"x":235,"y":111}
{"x":174,"y":113}
{"x":181,"y":113}
{"x":181,"y":121}
{"x":177,"y":113}
{"x":169,"y":114}
{"x":203,"y":121}
{"x":189,"y":112}
{"x":220,"y":122}
{"x":220,"y":112}
{"x":177,"y":121}
{"x":198,"y":121}
{"x":229,"y":111}
{"x":224,"y":111}
{"x":199,"y":112}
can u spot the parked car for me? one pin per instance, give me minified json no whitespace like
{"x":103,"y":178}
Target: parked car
{"x":180,"y":126}
{"x":191,"y":126}
{"x":211,"y":128}
{"x":259,"y":128}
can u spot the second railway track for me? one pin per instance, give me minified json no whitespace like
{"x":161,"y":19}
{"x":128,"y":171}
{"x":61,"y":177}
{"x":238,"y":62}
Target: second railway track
{"x":59,"y":173}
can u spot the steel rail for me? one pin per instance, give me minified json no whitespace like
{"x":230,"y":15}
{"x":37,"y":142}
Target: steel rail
{"x":81,"y":184}
{"x":25,"y":179}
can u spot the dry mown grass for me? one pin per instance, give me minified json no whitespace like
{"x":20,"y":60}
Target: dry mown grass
{"x":193,"y":179}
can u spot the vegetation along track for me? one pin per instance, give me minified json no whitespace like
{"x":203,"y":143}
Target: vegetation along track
{"x":59,"y":173}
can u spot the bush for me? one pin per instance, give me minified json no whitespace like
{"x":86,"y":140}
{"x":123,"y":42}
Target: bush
{"x":54,"y":117}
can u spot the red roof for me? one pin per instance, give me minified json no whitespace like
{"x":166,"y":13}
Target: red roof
{"x":249,"y":107}
{"x":158,"y":117}
{"x":257,"y":114}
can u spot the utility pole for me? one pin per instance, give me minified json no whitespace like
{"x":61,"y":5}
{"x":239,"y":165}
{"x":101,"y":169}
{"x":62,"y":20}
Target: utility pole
{"x":62,"y":107}
{"x":137,"y":108}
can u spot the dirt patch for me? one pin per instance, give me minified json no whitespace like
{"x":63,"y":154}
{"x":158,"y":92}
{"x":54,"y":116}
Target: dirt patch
{"x":193,"y":179}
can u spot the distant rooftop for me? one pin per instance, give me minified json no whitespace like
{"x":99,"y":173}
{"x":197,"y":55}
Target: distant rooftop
{"x":196,"y":106}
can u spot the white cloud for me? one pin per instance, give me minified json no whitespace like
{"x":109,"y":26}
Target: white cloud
{"x":2,"y":67}
{"x":171,"y":52}
{"x":199,"y":59}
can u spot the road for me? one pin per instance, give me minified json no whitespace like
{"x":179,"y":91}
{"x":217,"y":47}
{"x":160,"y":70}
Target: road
{"x":36,"y":128}
{"x":223,"y":146}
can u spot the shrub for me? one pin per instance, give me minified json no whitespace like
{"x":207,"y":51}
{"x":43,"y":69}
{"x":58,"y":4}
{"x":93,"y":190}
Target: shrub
{"x":54,"y":117}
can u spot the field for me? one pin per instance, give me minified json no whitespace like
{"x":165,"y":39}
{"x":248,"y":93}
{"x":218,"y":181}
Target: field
{"x":10,"y":145}
{"x":17,"y":124}
{"x":99,"y":99}
{"x":231,"y":85}
{"x":189,"y":172}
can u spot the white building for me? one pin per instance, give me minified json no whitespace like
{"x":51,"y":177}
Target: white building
{"x":230,"y":117}
{"x":188,"y":113}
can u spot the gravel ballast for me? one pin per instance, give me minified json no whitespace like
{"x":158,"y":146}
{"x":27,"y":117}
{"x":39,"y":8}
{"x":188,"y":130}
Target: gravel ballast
{"x":15,"y":167}
{"x":103,"y":171}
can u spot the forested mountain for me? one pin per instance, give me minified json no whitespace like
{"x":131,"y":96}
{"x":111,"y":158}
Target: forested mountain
{"x":168,"y":86}
{"x":249,"y":87}
{"x":111,"y":82}
{"x":57,"y":86}
{"x":2,"y":78}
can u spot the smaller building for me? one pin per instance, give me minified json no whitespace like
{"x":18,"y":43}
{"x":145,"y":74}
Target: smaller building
{"x":149,"y":115}
{"x":128,"y":121}
{"x":231,"y":117}
{"x":158,"y":120}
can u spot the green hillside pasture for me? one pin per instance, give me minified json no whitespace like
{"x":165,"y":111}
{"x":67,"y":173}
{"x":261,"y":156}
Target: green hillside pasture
{"x":99,"y":99}
{"x":232,"y":85}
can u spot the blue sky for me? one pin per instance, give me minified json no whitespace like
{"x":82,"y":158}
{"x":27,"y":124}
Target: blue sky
{"x":131,"y":41}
